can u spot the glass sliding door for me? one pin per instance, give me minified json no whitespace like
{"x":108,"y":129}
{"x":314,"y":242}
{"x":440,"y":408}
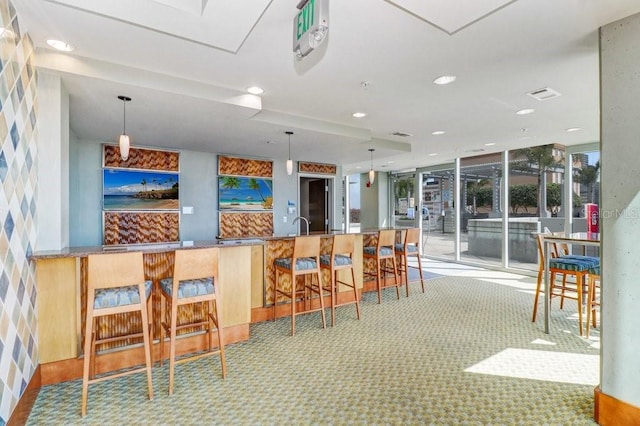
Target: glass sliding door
{"x":536,"y":200}
{"x":481,"y":222}
{"x":353,"y":196}
{"x":404,"y":200}
{"x":586,"y":190}
{"x":438,"y":213}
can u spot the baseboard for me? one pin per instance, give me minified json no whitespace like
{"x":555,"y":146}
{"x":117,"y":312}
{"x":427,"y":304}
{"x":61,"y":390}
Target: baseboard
{"x":609,"y":411}
{"x":25,"y":404}
{"x":263,"y":313}
{"x":71,"y":369}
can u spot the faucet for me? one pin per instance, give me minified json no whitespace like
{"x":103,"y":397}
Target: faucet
{"x":306,"y":221}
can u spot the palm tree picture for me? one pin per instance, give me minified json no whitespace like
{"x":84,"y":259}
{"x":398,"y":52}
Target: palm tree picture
{"x":244,"y":193}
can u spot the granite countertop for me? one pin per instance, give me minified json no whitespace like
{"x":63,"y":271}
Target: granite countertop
{"x":146,"y":248}
{"x":365,"y":231}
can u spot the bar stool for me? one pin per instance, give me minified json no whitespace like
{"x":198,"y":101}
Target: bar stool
{"x":305,"y":261}
{"x":594,"y":283}
{"x":407,"y":249}
{"x":340,"y":259}
{"x":577,"y":266}
{"x":557,"y":250}
{"x":194,"y":282}
{"x":383,"y":251}
{"x":115,"y":285}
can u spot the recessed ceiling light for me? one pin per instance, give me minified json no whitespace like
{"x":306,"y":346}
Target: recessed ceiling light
{"x":60,"y":45}
{"x":490,"y":144}
{"x":358,"y":167}
{"x":401,"y":134}
{"x":359,"y":114}
{"x":390,"y":161}
{"x":525,"y":111}
{"x":255,"y":90}
{"x":438,"y":132}
{"x":444,"y":79}
{"x":433,"y":154}
{"x":573,"y":129}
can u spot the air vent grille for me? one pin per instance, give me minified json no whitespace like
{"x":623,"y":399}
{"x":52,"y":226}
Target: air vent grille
{"x":544,"y":94}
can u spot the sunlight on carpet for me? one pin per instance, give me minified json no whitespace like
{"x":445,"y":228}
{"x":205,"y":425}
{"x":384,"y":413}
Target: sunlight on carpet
{"x":580,"y":369}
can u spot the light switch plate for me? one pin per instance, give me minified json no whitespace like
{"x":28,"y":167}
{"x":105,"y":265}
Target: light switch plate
{"x":187,"y":210}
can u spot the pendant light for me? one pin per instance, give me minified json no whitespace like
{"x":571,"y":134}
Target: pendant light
{"x":372,"y":174}
{"x":123,"y":141}
{"x":289,"y":162}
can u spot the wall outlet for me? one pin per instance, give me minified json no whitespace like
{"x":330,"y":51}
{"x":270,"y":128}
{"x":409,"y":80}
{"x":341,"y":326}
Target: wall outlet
{"x":284,"y":219}
{"x":187,"y":210}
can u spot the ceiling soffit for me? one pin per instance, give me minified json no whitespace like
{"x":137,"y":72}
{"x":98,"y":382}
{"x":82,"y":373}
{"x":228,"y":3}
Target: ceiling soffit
{"x":451,"y":16}
{"x":222,"y":24}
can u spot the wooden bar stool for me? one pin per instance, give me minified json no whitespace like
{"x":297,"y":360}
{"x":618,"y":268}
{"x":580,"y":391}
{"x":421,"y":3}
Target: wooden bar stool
{"x":115,"y":285}
{"x":195,"y":282}
{"x":574,"y":265}
{"x":340,"y":259}
{"x":593,"y":300}
{"x":409,"y":249}
{"x":305,"y":261}
{"x":382,"y":253}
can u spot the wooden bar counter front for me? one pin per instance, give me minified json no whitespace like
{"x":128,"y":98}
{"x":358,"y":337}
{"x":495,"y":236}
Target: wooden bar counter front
{"x":62,"y":292}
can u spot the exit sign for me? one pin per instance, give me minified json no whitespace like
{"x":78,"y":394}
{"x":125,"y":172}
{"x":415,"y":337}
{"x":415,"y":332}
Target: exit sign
{"x":310,"y":26}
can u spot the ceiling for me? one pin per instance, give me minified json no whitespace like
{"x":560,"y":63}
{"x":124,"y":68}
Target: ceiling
{"x":187,"y":64}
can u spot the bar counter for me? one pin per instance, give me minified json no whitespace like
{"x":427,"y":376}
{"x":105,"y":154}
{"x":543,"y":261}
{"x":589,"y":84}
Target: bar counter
{"x":246,"y":276}
{"x":61,"y":289}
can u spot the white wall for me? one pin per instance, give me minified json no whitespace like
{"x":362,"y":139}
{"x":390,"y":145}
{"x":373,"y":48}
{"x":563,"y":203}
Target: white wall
{"x":198,"y":189}
{"x":374,"y":202}
{"x":53,"y":163}
{"x":620,"y":211}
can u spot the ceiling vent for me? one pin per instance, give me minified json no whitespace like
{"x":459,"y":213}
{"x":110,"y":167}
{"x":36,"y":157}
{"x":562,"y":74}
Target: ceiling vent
{"x":544,"y":94}
{"x":401,"y":134}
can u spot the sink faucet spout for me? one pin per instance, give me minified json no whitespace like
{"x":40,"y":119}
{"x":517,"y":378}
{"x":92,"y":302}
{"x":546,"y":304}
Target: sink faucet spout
{"x":306,"y":221}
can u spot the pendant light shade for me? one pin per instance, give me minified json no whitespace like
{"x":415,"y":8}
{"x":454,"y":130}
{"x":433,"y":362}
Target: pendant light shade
{"x":123,"y":140}
{"x":372,"y":174}
{"x":289,"y":162}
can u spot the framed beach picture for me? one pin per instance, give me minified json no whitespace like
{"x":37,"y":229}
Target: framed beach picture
{"x":139,"y":190}
{"x":243,"y":193}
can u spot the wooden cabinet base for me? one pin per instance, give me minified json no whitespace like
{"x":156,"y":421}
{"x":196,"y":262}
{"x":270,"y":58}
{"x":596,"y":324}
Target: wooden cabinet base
{"x":609,"y":411}
{"x":71,"y":369}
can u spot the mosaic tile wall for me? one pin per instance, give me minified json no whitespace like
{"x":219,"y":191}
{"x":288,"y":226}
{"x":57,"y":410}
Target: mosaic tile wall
{"x":18,"y":115}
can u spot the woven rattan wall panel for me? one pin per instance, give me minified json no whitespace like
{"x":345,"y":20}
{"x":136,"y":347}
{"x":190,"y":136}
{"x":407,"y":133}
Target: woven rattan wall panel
{"x":246,"y":225}
{"x":146,"y":159}
{"x":141,"y":227}
{"x":244,"y":167}
{"x":325,"y":169}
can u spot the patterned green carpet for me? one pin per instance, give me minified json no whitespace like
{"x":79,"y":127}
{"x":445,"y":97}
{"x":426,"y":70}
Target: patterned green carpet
{"x":403,"y":363}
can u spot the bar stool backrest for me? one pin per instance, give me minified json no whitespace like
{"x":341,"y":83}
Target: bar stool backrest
{"x":412,"y":236}
{"x":115,"y":270}
{"x":308,"y":246}
{"x":343,"y":244}
{"x":191,"y":264}
{"x":386,"y":238}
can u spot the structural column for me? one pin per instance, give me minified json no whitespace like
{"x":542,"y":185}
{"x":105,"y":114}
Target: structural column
{"x":618,"y":398}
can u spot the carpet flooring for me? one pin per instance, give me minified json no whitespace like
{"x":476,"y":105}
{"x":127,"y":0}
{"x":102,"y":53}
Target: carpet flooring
{"x":465,"y":352}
